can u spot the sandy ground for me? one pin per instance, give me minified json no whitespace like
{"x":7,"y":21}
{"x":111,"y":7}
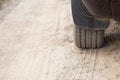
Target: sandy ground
{"x":7,"y":7}
{"x":36,"y":43}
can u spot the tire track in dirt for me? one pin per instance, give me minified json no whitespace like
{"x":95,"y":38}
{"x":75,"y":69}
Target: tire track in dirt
{"x":73,"y":73}
{"x":87,"y":72}
{"x":84,"y":69}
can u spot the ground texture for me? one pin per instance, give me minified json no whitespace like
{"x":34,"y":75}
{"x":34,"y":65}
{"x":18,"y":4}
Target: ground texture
{"x":36,"y":43}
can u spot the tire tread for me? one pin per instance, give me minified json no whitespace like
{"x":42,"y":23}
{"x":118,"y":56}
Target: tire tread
{"x":85,"y":38}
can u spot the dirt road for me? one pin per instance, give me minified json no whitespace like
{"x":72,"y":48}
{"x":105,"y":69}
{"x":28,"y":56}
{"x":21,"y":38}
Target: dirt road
{"x":36,"y":43}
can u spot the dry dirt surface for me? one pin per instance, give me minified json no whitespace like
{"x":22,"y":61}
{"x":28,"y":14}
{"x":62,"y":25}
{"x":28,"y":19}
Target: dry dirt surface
{"x":36,"y":43}
{"x":6,"y":7}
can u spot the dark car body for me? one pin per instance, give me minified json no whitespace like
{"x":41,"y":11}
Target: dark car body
{"x":103,"y":8}
{"x":95,"y":14}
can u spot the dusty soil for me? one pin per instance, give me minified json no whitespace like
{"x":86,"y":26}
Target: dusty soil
{"x":36,"y":43}
{"x":6,"y":7}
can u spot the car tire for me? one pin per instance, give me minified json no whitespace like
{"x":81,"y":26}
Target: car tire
{"x":85,"y":38}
